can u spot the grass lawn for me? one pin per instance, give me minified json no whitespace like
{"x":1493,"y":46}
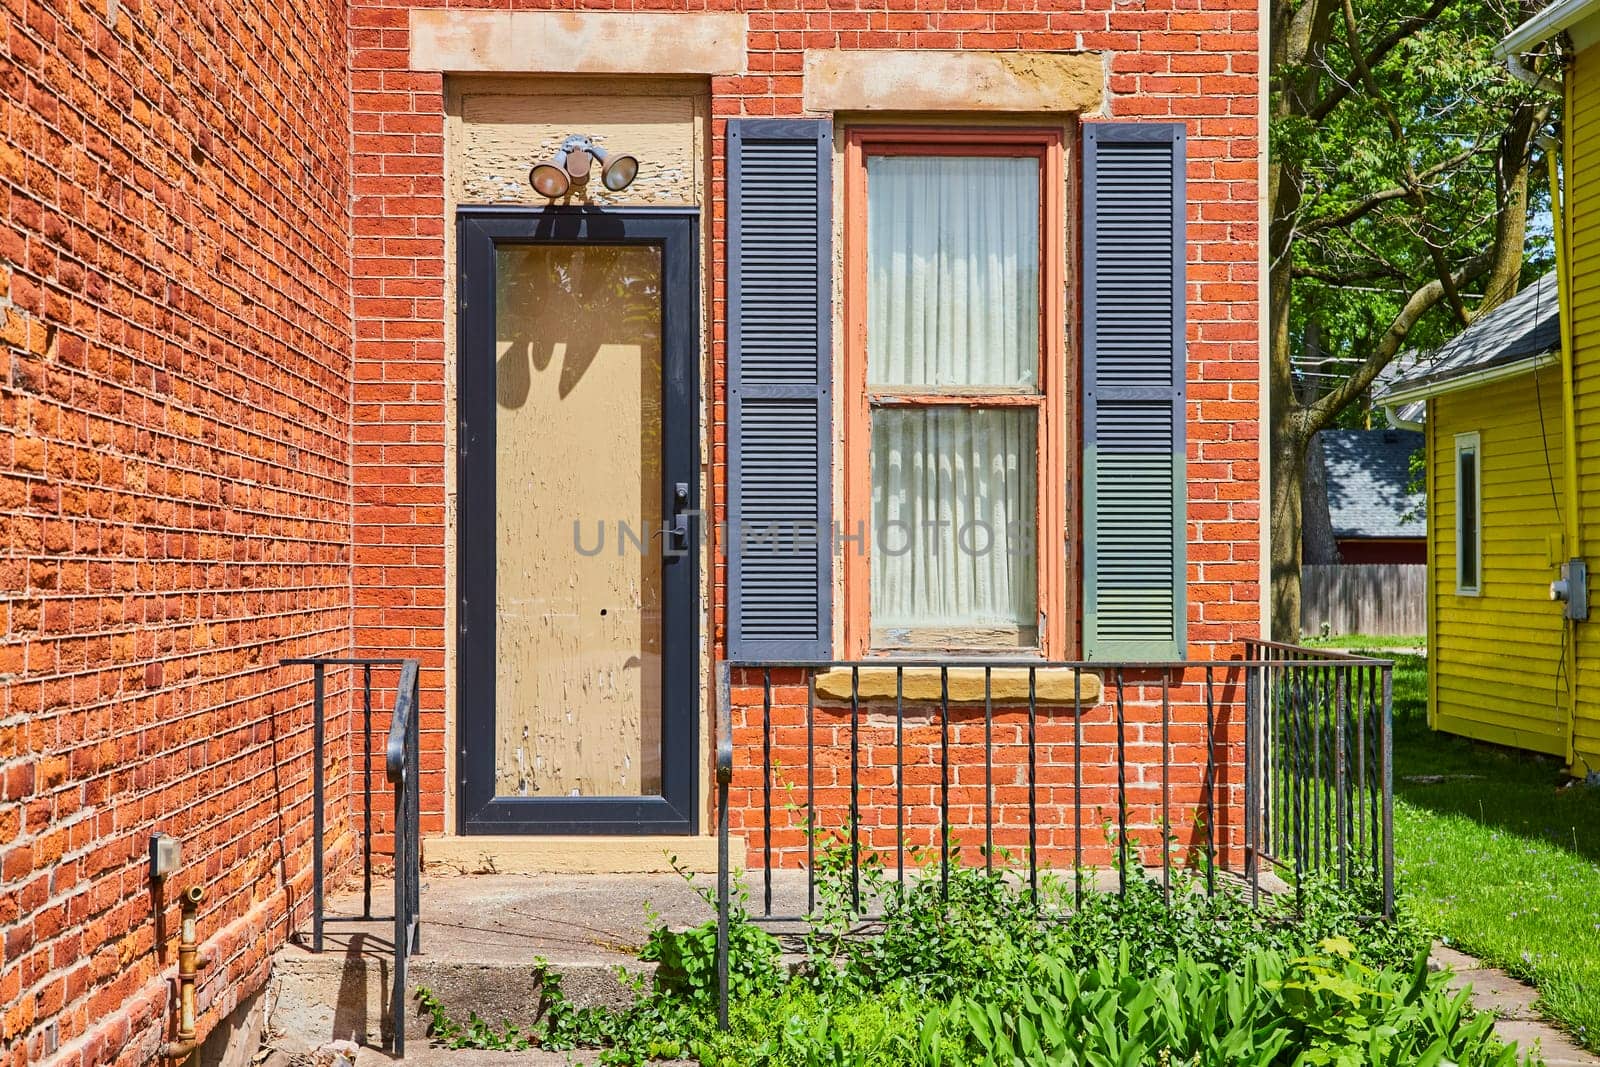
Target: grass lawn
{"x":1500,"y":858}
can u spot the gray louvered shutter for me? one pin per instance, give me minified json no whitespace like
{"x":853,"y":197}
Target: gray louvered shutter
{"x":779,"y":402}
{"x":1134,"y":494}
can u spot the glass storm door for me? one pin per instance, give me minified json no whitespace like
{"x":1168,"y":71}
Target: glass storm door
{"x":578,"y":475}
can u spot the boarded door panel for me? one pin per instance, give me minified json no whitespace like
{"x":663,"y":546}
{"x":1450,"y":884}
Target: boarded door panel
{"x":578,"y":705}
{"x":578,"y":435}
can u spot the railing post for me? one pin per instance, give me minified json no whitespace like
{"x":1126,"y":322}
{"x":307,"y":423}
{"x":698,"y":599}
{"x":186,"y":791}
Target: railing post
{"x":366,"y":771}
{"x":944,"y":786}
{"x":414,"y":788}
{"x":1033,"y":785}
{"x":1122,"y":795}
{"x":1211,"y":785}
{"x":1300,"y":788}
{"x":899,"y":779}
{"x":1166,"y":789}
{"x":855,"y":796}
{"x":724,"y":778}
{"x":766,"y":791}
{"x":988,"y":770}
{"x":811,"y":789}
{"x":402,"y":894}
{"x":1341,"y":801}
{"x":1254,"y":676}
{"x":1077,"y":787}
{"x":1386,"y":727}
{"x":319,"y":684}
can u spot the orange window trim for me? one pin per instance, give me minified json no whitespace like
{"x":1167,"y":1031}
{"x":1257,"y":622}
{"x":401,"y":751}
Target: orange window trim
{"x":1052,"y":463}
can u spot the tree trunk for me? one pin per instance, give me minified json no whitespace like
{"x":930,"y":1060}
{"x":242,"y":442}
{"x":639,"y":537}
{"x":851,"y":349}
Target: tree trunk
{"x":1315,"y":521}
{"x":1299,"y":38}
{"x":1288,"y":465}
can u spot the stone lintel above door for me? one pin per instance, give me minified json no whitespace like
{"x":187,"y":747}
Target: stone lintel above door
{"x":458,"y":41}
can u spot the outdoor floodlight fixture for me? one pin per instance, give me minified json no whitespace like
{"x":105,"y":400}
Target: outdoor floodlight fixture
{"x":572,"y":162}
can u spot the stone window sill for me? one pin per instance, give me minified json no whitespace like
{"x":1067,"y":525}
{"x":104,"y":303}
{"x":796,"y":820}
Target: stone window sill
{"x":1007,"y":685}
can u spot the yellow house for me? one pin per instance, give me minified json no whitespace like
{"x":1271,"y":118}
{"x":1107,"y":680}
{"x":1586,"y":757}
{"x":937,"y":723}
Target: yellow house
{"x":1512,"y":418}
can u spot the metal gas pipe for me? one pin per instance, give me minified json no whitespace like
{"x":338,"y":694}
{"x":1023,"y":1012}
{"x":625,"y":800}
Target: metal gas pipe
{"x":188,"y":971}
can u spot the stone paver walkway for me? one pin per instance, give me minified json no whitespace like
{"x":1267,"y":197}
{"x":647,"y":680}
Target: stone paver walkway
{"x":1512,"y":1002}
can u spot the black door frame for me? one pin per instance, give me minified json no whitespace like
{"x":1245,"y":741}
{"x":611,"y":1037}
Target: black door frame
{"x":479,"y":811}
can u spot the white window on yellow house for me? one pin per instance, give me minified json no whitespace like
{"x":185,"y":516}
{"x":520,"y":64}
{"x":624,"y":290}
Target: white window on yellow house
{"x":1469,"y":515}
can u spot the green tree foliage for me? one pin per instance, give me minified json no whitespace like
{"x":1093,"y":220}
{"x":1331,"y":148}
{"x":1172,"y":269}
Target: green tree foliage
{"x":1401,"y":188}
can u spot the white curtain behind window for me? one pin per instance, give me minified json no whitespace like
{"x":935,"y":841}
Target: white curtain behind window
{"x":952,"y":271}
{"x":953,"y":301}
{"x":953,"y":519}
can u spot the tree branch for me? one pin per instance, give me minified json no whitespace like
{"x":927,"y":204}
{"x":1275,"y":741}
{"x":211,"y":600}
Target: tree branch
{"x":1382,"y":48}
{"x":1452,"y":292}
{"x":1364,"y":72}
{"x":1378,"y":199}
{"x":1319,"y":415}
{"x":1355,"y":212}
{"x":1339,"y":281}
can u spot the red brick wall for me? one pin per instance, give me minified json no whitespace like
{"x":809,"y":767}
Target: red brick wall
{"x":223,"y":430}
{"x":174,"y":492}
{"x":398,"y":418}
{"x":1189,"y":60}
{"x":1146,"y":773}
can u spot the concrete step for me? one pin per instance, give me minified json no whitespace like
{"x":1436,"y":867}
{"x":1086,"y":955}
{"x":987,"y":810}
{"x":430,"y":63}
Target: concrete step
{"x":481,"y":937}
{"x":345,"y":994}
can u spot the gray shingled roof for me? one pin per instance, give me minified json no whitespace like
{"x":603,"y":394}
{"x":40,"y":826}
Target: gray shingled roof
{"x":1523,"y":328}
{"x":1413,"y":411}
{"x":1367,"y":472}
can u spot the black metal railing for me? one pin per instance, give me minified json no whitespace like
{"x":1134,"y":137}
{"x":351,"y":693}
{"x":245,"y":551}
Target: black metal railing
{"x":403,"y":762}
{"x":1322,"y":762}
{"x":1277,"y":760}
{"x":402,"y":755}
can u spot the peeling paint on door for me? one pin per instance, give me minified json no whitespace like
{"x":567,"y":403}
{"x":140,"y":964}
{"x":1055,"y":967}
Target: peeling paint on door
{"x":578,"y":429}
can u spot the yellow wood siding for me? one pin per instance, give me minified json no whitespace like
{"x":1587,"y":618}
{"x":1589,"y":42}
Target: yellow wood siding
{"x":1496,"y":659}
{"x":1496,"y":656}
{"x":1583,"y":191}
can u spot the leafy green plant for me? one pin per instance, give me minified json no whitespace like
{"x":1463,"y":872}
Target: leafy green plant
{"x":1109,"y":1013}
{"x":974,"y":968}
{"x":475,"y":1033}
{"x":1320,"y":1009}
{"x":686,"y":960}
{"x":944,"y":932}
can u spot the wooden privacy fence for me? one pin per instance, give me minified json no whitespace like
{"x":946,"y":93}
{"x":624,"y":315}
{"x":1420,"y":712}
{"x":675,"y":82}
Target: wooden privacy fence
{"x":1382,"y":599}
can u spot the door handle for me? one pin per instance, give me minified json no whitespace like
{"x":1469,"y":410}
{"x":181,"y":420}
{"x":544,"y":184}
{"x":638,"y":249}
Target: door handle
{"x":678,"y":535}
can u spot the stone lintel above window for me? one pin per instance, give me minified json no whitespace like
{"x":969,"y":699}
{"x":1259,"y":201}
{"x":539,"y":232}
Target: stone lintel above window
{"x":923,"y":80}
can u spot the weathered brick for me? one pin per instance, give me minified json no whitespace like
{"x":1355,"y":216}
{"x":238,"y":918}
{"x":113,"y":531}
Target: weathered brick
{"x":226,"y":331}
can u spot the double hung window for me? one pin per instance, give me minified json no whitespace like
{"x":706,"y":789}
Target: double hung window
{"x":956,"y":358}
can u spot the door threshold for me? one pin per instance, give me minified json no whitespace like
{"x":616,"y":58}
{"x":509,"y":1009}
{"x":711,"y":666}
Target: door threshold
{"x":578,"y":854}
